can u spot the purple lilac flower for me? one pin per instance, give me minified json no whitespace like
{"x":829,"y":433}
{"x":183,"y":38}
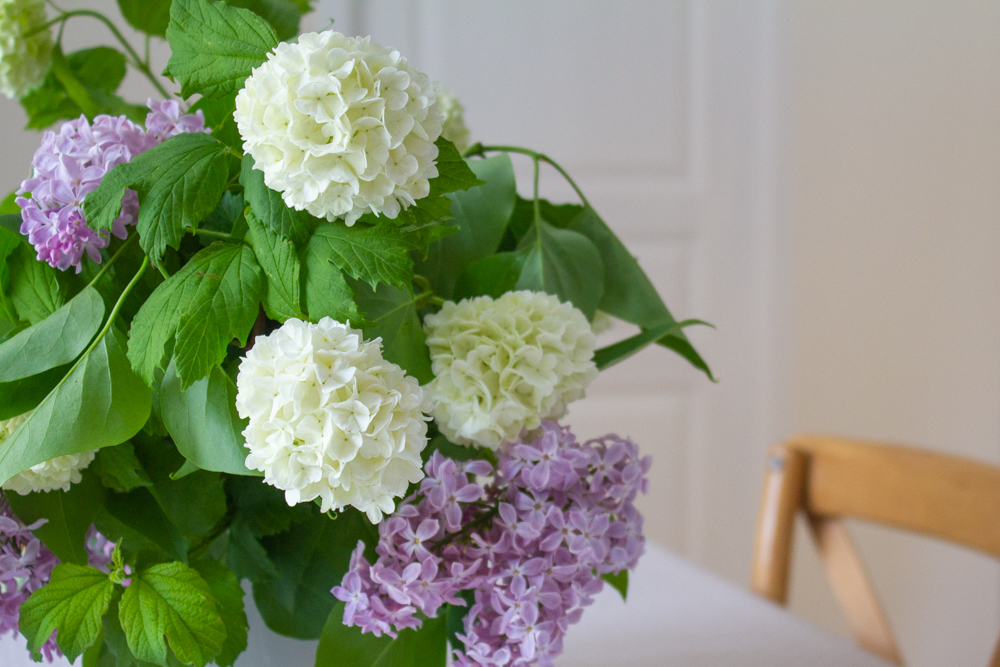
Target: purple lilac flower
{"x":531,"y":544}
{"x":26,"y":565}
{"x":70,"y":164}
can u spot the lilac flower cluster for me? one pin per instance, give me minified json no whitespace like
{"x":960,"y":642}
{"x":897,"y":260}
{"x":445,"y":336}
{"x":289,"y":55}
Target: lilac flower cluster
{"x":530,"y":544}
{"x":26,"y":565}
{"x":70,"y":163}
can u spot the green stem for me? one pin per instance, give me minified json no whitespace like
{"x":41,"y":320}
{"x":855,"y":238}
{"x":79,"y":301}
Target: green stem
{"x":114,"y":258}
{"x":114,"y":312}
{"x":163,"y":271}
{"x":479,"y":149}
{"x":214,"y":234}
{"x":535,"y":203}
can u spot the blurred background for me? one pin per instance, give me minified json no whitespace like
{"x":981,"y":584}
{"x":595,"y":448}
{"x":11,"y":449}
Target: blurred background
{"x":818,"y":179}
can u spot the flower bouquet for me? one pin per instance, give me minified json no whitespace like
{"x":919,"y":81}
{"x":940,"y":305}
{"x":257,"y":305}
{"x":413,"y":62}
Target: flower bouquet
{"x":288,"y":330}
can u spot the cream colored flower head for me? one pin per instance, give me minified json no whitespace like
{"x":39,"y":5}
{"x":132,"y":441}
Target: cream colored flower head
{"x":57,"y":473}
{"x":24,"y":61}
{"x":330,"y":418}
{"x":505,"y":365}
{"x":453,"y":112}
{"x":341,"y":126}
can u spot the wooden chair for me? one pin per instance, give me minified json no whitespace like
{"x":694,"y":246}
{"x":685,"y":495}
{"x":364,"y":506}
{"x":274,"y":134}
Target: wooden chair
{"x":829,"y":479}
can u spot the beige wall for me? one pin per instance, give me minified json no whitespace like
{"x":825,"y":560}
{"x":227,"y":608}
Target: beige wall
{"x":896,"y":219}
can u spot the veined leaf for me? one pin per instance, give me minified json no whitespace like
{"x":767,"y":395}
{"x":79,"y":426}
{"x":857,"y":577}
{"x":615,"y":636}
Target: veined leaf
{"x":341,"y":645}
{"x":277,"y":257}
{"x":214,"y":47}
{"x":454,"y":174}
{"x":148,"y":16}
{"x":200,"y":309}
{"x":179,"y":182}
{"x":120,"y":470}
{"x":228,"y":593}
{"x":283,"y":15}
{"x":56,"y":340}
{"x":100,"y":403}
{"x":564,"y":263}
{"x":490,"y":276}
{"x":171,"y":604}
{"x":391,"y":314}
{"x":271,"y":210}
{"x":379,"y":254}
{"x":34,"y":289}
{"x":73,"y":602}
{"x":324,"y":287}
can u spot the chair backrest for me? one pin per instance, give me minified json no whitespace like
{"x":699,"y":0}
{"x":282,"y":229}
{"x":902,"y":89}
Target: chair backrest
{"x":829,"y":479}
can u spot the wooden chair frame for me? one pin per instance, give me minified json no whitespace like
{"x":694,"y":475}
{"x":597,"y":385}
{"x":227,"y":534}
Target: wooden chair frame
{"x":829,"y":479}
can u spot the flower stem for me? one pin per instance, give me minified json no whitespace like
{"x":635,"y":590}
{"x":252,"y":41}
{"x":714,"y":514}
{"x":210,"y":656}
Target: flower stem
{"x":114,"y":312}
{"x":214,"y":234}
{"x":104,"y":269}
{"x":479,"y":149}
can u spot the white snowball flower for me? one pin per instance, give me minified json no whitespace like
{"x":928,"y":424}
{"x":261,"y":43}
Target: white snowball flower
{"x":330,"y":418}
{"x":505,"y":365}
{"x":341,"y":126}
{"x":57,"y":473}
{"x":453,"y":112}
{"x":24,"y":61}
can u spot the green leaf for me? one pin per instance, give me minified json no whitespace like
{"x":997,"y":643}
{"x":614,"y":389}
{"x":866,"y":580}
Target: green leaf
{"x":194,"y":503}
{"x":391,"y":314}
{"x":455,"y":618}
{"x":71,"y":84}
{"x":481,"y":214}
{"x":628,"y":293}
{"x":557,"y":215}
{"x":228,"y":593}
{"x":311,"y":558}
{"x":270,"y":209}
{"x":171,"y":604}
{"x":214,"y":47}
{"x":179,"y":182}
{"x":58,"y":339}
{"x":19,"y":396}
{"x":68,"y":515}
{"x":148,"y":16}
{"x":622,"y":350}
{"x":276,"y":256}
{"x":137,"y":520}
{"x":263,"y":508}
{"x":379,"y":254}
{"x":491,"y":276}
{"x":226,"y":218}
{"x":283,"y":15}
{"x":117,"y":644}
{"x":246,"y":555}
{"x":100,"y":403}
{"x":203,"y":421}
{"x":73,"y":602}
{"x":564,"y":263}
{"x":34,"y":288}
{"x":200,"y":310}
{"x":99,"y":68}
{"x":120,"y":470}
{"x":618,"y":581}
{"x":347,"y":647}
{"x":454,"y":172}
{"x":325,"y":289}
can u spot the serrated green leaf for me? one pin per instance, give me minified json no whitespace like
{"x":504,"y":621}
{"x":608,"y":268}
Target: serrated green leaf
{"x":214,"y":47}
{"x":120,"y":470}
{"x":114,"y":637}
{"x":200,"y":309}
{"x":341,"y":645}
{"x":100,"y":403}
{"x":490,"y":276}
{"x":34,"y":288}
{"x":391,"y":314}
{"x":203,"y":422}
{"x":325,"y":289}
{"x":228,"y":593}
{"x":282,"y":15}
{"x":618,"y":581}
{"x":379,"y":254}
{"x":179,"y":182}
{"x":148,"y":16}
{"x":481,"y":214}
{"x":270,"y":209}
{"x":170,"y":604}
{"x":454,"y":173}
{"x":56,"y":340}
{"x":564,"y":263}
{"x":74,"y":601}
{"x":278,"y":259}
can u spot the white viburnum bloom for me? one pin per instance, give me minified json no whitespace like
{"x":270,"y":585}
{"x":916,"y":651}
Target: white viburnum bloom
{"x":341,"y":126}
{"x":24,"y":61}
{"x":505,"y":365}
{"x":57,"y":473}
{"x":454,"y":129}
{"x":330,"y":418}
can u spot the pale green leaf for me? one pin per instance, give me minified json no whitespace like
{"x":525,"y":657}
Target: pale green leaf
{"x":276,"y":256}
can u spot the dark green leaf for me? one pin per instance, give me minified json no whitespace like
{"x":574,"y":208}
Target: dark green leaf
{"x":179,"y":182}
{"x":263,"y":508}
{"x":137,"y":520}
{"x":228,"y":593}
{"x":491,"y":276}
{"x":200,"y":310}
{"x":348,"y":647}
{"x":100,"y":68}
{"x":74,"y":601}
{"x":58,"y":339}
{"x":283,"y":15}
{"x":440,"y":443}
{"x":391,"y":314}
{"x":276,"y":256}
{"x":214,"y":47}
{"x":148,"y":16}
{"x":311,"y":558}
{"x":19,"y":396}
{"x":246,"y":555}
{"x":203,"y":422}
{"x":171,"y":603}
{"x":455,"y":618}
{"x":622,"y":350}
{"x":270,"y":209}
{"x":100,"y":403}
{"x":618,"y":581}
{"x":226,"y":216}
{"x":481,"y":214}
{"x":564,"y":263}
{"x":34,"y":289}
{"x":379,"y":254}
{"x":69,"y":515}
{"x":194,"y":503}
{"x":120,"y":470}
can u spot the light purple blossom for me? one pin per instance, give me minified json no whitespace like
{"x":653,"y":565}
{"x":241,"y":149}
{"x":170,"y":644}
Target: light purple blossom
{"x":70,"y":164}
{"x":530,"y":545}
